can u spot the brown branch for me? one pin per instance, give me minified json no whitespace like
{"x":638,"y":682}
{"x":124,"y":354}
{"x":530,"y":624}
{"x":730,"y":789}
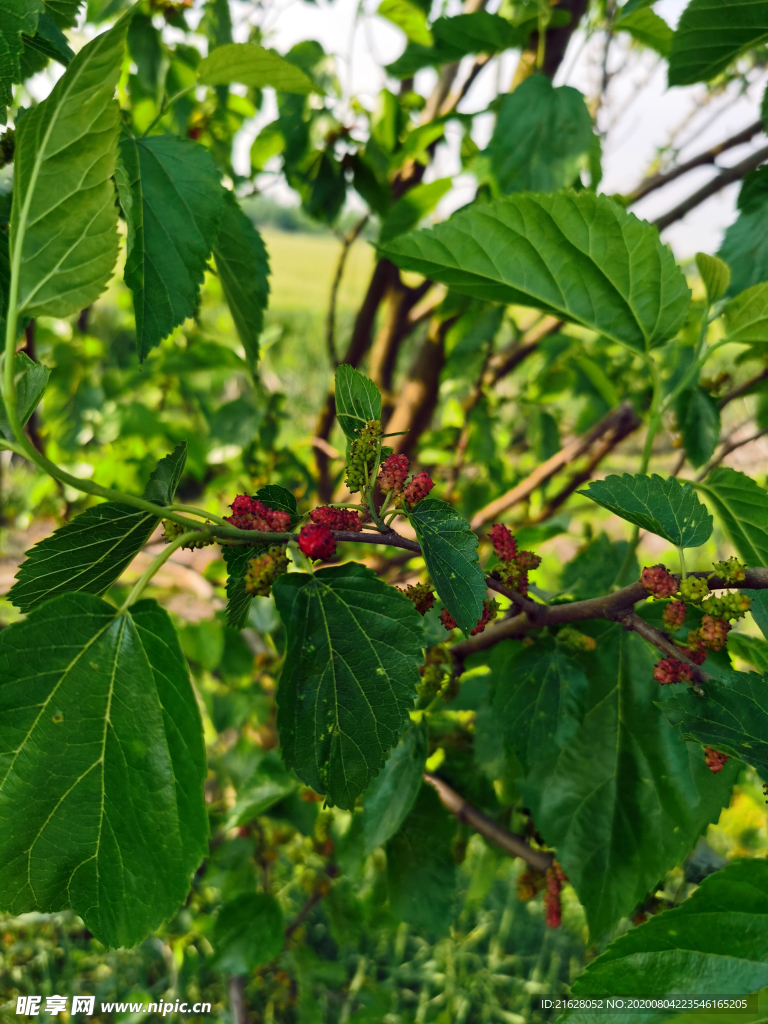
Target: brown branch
{"x":397,"y":325}
{"x":727,"y":449}
{"x":617,"y":420}
{"x":655,"y":636}
{"x":742,"y":389}
{"x":237,"y":1005}
{"x":504,"y":362}
{"x":330,"y":325}
{"x":726,"y":177}
{"x":709,"y":156}
{"x":514,"y":845}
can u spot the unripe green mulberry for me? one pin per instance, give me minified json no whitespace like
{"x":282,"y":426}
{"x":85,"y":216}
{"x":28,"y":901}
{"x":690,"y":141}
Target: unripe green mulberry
{"x":732,"y":570}
{"x":264,"y":570}
{"x":693,"y":589}
{"x":362,"y":455}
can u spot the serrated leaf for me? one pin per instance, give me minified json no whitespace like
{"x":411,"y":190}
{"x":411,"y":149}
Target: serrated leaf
{"x":64,"y":12}
{"x":732,"y":717}
{"x":248,"y":932}
{"x":543,"y":134}
{"x":50,"y":41}
{"x":92,"y":551}
{"x":237,"y":558}
{"x":16,"y":17}
{"x":253,"y":65}
{"x":624,"y":800}
{"x":720,"y":934}
{"x":357,"y":400}
{"x":667,"y":508}
{"x":409,"y":17}
{"x":353,"y":646}
{"x":742,"y":507}
{"x":420,"y":869}
{"x":539,"y":699}
{"x":578,"y":255}
{"x":30,"y":379}
{"x":102,"y":767}
{"x":745,"y":249}
{"x":64,"y":221}
{"x":698,"y":419}
{"x":391,"y":795}
{"x":171,"y":194}
{"x":715,"y":274}
{"x":449,"y":549}
{"x":711,"y":34}
{"x":243,"y":265}
{"x":746,"y":316}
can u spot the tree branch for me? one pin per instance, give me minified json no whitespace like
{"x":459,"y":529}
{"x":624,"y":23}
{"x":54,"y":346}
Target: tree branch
{"x":726,"y":177}
{"x":514,"y":845}
{"x":742,"y":389}
{"x":727,"y":449}
{"x":655,"y":636}
{"x":504,"y":362}
{"x":330,"y":325}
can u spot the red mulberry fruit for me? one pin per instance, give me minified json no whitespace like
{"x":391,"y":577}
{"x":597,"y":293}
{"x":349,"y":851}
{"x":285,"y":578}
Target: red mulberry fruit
{"x":714,"y":760}
{"x":671,"y":670}
{"x":419,"y":487}
{"x":317,"y":542}
{"x":447,"y":619}
{"x":504,"y":544}
{"x":674,"y":615}
{"x":658,"y":581}
{"x":393,"y":472}
{"x":422,"y":595}
{"x":337,"y":518}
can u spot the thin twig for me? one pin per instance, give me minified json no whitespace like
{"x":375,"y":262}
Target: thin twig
{"x":509,"y":842}
{"x":727,"y":449}
{"x":654,"y":636}
{"x":330,"y":326}
{"x":742,"y":389}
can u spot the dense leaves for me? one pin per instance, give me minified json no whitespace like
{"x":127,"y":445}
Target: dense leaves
{"x":357,"y":400}
{"x":390,"y":796}
{"x":710,"y":34}
{"x":667,"y":508}
{"x":248,"y":932}
{"x":30,"y":379}
{"x":349,"y":678}
{"x":101,"y":767}
{"x":253,"y":65}
{"x":742,"y":507}
{"x":577,"y":255}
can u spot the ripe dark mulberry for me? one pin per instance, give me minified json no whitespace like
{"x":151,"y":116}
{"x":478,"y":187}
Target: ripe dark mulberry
{"x":422,"y":595}
{"x":504,"y":544}
{"x":252,"y":514}
{"x":553,"y":909}
{"x":671,"y":670}
{"x":674,"y":615}
{"x":393,"y":472}
{"x":419,"y":487}
{"x":317,"y":542}
{"x":658,"y":581}
{"x":447,"y":619}
{"x":337,"y":518}
{"x":714,"y":760}
{"x":490,"y":611}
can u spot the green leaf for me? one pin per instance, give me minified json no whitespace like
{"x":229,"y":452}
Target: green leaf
{"x":711,"y":34}
{"x":409,"y":17}
{"x":540,"y":700}
{"x":746,"y":316}
{"x":576,"y":255}
{"x":237,"y":558}
{"x":647,"y":27}
{"x":624,"y":800}
{"x":745,"y":248}
{"x":92,"y":551}
{"x":357,"y":400}
{"x":50,"y":41}
{"x":248,"y":932}
{"x":720,"y":934}
{"x":102,"y":767}
{"x":63,"y":12}
{"x":753,"y":649}
{"x":16,"y":17}
{"x":665,"y":507}
{"x":742,"y":507}
{"x":715,"y":274}
{"x":759,"y":609}
{"x":252,"y":65}
{"x":390,"y":797}
{"x":476,"y":32}
{"x":172,"y":198}
{"x":593,"y":570}
{"x":420,"y":869}
{"x":543,"y":135}
{"x":63,"y":221}
{"x":413,"y":207}
{"x":353,"y":646}
{"x":243,"y":265}
{"x":449,"y":548}
{"x":732,"y":717}
{"x":30,"y":379}
{"x":698,"y":419}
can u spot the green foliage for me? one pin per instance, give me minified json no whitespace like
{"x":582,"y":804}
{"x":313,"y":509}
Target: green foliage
{"x":357,"y":400}
{"x":540,"y":250}
{"x":409,"y":17}
{"x":710,"y":34}
{"x":30,"y":380}
{"x":16,"y":17}
{"x":248,"y":932}
{"x":253,"y":65}
{"x":542,"y":137}
{"x":668,"y":508}
{"x":715,"y":274}
{"x":746,"y":317}
{"x":391,"y":795}
{"x":742,"y":507}
{"x":173,"y":202}
{"x":450,"y":553}
{"x":744,"y":244}
{"x":624,"y":768}
{"x":698,"y":419}
{"x":64,"y":224}
{"x":646,"y":26}
{"x":719,"y":933}
{"x":412,"y":208}
{"x":102,"y":766}
{"x":352,"y":650}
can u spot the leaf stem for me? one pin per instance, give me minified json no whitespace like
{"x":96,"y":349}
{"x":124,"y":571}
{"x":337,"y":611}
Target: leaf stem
{"x":165,"y":106}
{"x":157,"y":563}
{"x":191,"y":510}
{"x":683,"y":573}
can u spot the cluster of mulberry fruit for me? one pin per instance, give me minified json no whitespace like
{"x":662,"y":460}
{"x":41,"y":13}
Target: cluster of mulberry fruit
{"x":264,"y":570}
{"x":658,"y":581}
{"x":173,"y":530}
{"x":362,"y":455}
{"x":553,"y":910}
{"x":252,"y":514}
{"x":422,"y":595}
{"x":419,"y":487}
{"x":672,"y":670}
{"x":714,"y":760}
{"x":490,"y":611}
{"x":337,"y":518}
{"x":393,"y":473}
{"x":317,"y":542}
{"x":513,"y":566}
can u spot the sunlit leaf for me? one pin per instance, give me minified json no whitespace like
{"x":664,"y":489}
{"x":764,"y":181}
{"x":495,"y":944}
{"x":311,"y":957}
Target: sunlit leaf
{"x":252,"y":65}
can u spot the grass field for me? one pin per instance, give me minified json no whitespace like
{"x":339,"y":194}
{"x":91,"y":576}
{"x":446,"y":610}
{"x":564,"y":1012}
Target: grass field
{"x":303,"y":267}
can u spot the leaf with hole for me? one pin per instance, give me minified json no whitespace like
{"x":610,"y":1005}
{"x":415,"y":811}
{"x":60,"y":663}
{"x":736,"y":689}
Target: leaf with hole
{"x":667,"y":508}
{"x":353,"y":647}
{"x":102,"y":766}
{"x":576,"y":255}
